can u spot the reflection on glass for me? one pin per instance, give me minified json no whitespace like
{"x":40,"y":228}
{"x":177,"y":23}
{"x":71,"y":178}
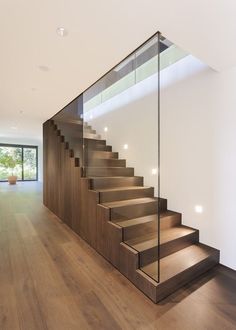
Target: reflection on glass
{"x":10,"y":162}
{"x":19,"y":161}
{"x":134,"y":69}
{"x":29,"y":164}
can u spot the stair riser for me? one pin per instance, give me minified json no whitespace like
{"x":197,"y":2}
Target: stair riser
{"x":91,"y":136}
{"x":78,"y":133}
{"x":171,"y":221}
{"x":67,"y":121}
{"x":140,"y":230}
{"x":125,"y":194}
{"x":102,"y":155}
{"x":165,"y":288}
{"x":90,"y":144}
{"x":89,"y":130}
{"x":112,"y":171}
{"x":106,"y":183}
{"x":150,"y":255}
{"x":69,"y":127}
{"x":151,"y":226}
{"x":135,"y":211}
{"x":103,"y":148}
{"x":106,"y":162}
{"x":96,"y":145}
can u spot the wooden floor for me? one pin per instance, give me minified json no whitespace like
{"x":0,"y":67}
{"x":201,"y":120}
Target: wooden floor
{"x":51,"y":279}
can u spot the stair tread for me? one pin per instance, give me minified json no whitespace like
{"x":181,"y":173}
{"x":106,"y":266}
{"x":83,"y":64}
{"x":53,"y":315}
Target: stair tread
{"x":179,"y":261}
{"x":129,"y":202}
{"x":145,"y":219}
{"x":122,"y":188}
{"x":150,"y":240}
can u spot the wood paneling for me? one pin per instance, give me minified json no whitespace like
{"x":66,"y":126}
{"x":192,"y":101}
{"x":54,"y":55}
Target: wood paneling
{"x":62,"y":175}
{"x":116,"y":215}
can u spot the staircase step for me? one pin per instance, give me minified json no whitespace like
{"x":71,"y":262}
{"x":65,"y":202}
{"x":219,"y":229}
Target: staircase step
{"x":106,"y":162}
{"x":88,"y":129}
{"x":103,"y":148}
{"x":109,"y":171}
{"x":68,"y":122}
{"x":103,"y":155}
{"x":95,"y":145}
{"x":122,"y":193}
{"x":127,"y":209}
{"x":181,"y":267}
{"x":113,"y":182}
{"x":171,"y":240}
{"x":91,"y":136}
{"x":148,"y":224}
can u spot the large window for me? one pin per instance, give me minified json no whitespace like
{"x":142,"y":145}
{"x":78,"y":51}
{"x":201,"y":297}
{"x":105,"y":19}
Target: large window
{"x":18,"y":160}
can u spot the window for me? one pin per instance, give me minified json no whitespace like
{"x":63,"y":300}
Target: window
{"x":18,"y":160}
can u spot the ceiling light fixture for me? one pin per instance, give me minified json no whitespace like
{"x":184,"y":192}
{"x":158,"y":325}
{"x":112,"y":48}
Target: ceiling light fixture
{"x":126,"y":146}
{"x":43,"y":68}
{"x":62,"y":32}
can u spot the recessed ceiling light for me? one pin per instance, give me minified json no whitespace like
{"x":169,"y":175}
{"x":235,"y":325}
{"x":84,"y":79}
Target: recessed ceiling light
{"x":125,"y":146}
{"x":43,"y":68}
{"x":105,"y":129}
{"x":62,"y":32}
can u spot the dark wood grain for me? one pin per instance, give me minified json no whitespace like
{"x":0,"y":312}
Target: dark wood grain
{"x":52,"y":279}
{"x":111,"y":209}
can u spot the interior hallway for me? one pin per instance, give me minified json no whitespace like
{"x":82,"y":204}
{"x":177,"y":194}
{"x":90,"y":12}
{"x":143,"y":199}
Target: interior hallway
{"x":51,"y":279}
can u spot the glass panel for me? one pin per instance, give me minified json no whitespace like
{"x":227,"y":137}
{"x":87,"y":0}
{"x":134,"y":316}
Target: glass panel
{"x":10,"y":162}
{"x":174,"y":63}
{"x":30,"y":164}
{"x":146,"y":59}
{"x":121,"y":147}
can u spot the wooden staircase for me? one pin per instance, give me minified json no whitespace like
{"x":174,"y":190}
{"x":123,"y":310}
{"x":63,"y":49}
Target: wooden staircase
{"x":125,"y":219}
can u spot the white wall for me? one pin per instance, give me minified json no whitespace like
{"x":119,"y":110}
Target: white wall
{"x":198,"y":155}
{"x":33,"y":142}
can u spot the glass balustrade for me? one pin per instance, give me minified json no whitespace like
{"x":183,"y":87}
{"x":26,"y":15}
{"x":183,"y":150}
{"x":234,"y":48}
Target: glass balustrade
{"x":114,"y":128}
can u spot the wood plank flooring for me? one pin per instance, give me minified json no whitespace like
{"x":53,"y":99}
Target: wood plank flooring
{"x":51,"y":279}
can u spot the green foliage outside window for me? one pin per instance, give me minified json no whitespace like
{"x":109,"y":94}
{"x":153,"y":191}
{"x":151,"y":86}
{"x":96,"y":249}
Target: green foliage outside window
{"x":11,"y":162}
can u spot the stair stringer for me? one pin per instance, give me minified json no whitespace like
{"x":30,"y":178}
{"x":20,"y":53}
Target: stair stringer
{"x":110,"y":244}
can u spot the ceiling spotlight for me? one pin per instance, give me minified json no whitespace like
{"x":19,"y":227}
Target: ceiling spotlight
{"x":105,"y":129}
{"x":126,"y":146}
{"x":62,"y":32}
{"x":43,"y":68}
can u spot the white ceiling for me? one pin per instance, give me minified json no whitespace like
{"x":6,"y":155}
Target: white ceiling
{"x":41,"y":72}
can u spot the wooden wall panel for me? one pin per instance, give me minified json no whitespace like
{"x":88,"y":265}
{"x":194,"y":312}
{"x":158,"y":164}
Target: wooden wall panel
{"x":61,"y":177}
{"x":68,"y":195}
